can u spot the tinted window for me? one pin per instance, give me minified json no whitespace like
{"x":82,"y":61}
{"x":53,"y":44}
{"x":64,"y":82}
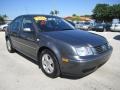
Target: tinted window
{"x":98,"y":24}
{"x":15,"y":25}
{"x":27,"y":23}
{"x":87,"y":23}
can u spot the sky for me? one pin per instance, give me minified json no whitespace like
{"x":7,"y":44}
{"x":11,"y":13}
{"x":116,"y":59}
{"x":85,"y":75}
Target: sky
{"x":13,"y":8}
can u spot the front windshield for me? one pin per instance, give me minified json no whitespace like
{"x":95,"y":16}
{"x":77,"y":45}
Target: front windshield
{"x":52,"y":23}
{"x":98,"y":24}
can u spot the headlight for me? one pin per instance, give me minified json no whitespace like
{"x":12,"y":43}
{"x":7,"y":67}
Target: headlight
{"x":84,"y":51}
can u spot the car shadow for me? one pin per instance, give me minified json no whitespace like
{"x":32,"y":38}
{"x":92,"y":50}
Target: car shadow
{"x":71,"y":77}
{"x":117,"y":37}
{"x":27,"y":58}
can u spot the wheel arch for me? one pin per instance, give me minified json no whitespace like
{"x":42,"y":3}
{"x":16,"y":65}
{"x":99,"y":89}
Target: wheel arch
{"x":55,"y":52}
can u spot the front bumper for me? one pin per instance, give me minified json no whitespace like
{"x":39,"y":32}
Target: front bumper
{"x":84,"y":67}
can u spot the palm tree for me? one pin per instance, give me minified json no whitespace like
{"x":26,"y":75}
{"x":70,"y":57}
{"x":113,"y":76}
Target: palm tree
{"x":56,"y":12}
{"x":52,"y":13}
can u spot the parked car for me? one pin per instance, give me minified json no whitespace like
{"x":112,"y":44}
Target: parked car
{"x":56,"y":45}
{"x":78,"y":25}
{"x":3,"y":27}
{"x":84,"y":25}
{"x":115,"y":27}
{"x":101,"y":27}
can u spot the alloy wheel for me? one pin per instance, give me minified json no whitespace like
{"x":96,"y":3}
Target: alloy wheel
{"x":47,"y":63}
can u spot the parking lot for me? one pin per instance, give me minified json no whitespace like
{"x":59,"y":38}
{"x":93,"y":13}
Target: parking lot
{"x":20,"y":73}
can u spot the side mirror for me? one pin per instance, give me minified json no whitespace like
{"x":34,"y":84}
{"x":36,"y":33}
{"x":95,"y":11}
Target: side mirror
{"x":27,"y":30}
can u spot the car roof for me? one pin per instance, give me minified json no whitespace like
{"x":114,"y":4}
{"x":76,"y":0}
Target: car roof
{"x":33,"y":15}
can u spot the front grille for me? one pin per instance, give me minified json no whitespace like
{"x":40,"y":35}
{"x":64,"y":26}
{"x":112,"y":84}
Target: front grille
{"x":101,"y":49}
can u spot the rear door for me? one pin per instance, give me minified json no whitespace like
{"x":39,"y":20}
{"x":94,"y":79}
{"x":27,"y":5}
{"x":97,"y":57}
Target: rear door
{"x":28,"y":41}
{"x":14,"y":30}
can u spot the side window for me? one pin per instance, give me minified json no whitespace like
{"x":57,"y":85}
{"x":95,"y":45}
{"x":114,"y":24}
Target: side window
{"x":27,"y":23}
{"x":15,"y":25}
{"x":28,"y":29}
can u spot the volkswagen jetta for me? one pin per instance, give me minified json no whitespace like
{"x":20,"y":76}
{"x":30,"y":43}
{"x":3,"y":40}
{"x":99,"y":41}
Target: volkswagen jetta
{"x":57,"y":46}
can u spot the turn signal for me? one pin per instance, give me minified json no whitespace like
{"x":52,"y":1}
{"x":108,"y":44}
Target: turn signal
{"x":65,"y":60}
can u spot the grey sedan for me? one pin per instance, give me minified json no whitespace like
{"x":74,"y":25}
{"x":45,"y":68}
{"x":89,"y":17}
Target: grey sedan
{"x":56,"y":45}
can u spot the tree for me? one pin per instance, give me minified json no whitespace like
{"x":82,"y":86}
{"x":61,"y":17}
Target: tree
{"x":54,"y":12}
{"x":101,"y":12}
{"x":74,"y":15}
{"x":2,"y":19}
{"x":105,"y":12}
{"x":115,"y":11}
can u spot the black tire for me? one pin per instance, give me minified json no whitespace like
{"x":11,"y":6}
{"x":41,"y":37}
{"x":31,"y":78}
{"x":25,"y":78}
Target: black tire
{"x":56,"y":71}
{"x":9,"y":46}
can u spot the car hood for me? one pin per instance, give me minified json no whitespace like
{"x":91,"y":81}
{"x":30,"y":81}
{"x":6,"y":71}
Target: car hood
{"x":77,"y":37}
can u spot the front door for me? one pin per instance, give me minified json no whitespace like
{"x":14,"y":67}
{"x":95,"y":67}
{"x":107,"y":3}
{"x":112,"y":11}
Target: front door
{"x":27,"y":38}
